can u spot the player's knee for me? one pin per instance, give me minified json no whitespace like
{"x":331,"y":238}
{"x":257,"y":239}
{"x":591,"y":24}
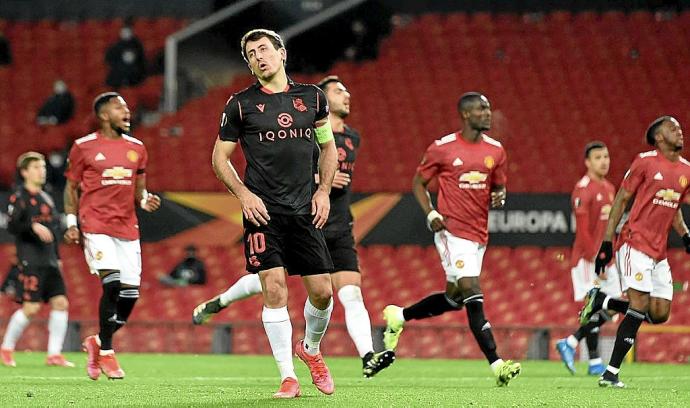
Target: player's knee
{"x":59,"y":303}
{"x":655,"y":317}
{"x":30,"y":309}
{"x":321,"y":298}
{"x":275,"y":294}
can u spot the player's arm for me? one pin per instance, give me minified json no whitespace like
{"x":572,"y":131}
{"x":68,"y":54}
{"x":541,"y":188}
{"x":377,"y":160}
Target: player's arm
{"x":498,"y":182}
{"x":434,"y":220}
{"x":253,"y":207}
{"x":147,"y":201}
{"x":20,"y":223}
{"x":605,"y":254}
{"x":682,"y":229}
{"x":71,"y":203}
{"x":581,"y":207}
{"x":328,"y":163}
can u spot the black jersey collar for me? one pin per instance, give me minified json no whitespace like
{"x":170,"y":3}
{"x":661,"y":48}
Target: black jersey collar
{"x":290,"y":83}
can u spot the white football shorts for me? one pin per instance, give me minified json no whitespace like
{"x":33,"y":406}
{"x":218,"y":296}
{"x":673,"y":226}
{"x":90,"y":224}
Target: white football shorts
{"x":461,"y":258}
{"x":106,"y":252}
{"x":585,"y":278}
{"x":645,"y":274}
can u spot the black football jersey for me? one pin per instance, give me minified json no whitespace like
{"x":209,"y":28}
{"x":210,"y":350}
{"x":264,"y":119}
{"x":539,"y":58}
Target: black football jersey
{"x":347,"y":143}
{"x":277,"y":135}
{"x":24,"y":209}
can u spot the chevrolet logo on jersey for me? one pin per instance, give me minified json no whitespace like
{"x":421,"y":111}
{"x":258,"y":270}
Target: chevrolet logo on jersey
{"x":117,"y":175}
{"x":667,"y":197}
{"x":473,"y":177}
{"x":473,"y":180}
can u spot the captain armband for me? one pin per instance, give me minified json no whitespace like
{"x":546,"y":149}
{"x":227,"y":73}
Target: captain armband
{"x":324,"y":133}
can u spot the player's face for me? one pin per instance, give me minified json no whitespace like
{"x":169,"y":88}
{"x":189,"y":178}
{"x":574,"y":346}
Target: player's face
{"x":264,"y":60}
{"x":338,"y":99}
{"x":672,"y":134}
{"x":478,"y":116}
{"x":35,"y":173}
{"x":118,"y":115}
{"x":598,"y":161}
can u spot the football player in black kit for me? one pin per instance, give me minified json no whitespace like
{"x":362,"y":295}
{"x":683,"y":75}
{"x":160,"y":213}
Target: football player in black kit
{"x":34,"y":222}
{"x":277,"y":122}
{"x":346,"y":277}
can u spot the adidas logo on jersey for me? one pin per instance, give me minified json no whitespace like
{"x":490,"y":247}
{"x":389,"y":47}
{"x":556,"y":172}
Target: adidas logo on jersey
{"x":100,"y":157}
{"x":457,"y":162}
{"x":658,"y":176}
{"x":629,"y":340}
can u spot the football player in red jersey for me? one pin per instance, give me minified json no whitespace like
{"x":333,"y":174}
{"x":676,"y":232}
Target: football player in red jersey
{"x":471,"y":171}
{"x":591,"y":201}
{"x":105,"y":179}
{"x":658,"y":181}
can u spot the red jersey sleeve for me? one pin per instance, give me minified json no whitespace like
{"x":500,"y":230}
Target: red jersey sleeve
{"x":634,"y":176}
{"x":499,"y":175}
{"x":430,"y":165}
{"x":75,"y":164}
{"x":143,"y":161}
{"x":582,"y":202}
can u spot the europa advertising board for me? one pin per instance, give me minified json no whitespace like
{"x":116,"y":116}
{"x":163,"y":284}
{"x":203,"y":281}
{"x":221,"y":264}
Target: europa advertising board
{"x":527,"y":219}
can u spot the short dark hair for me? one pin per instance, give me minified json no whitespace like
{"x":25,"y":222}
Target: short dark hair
{"x":103,"y":99}
{"x":25,"y":159}
{"x":328,"y":80}
{"x":466,"y":99}
{"x":257,"y":34}
{"x":595,"y":144}
{"x":654,"y":127}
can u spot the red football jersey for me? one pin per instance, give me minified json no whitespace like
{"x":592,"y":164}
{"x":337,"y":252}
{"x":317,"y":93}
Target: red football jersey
{"x":107,"y":170}
{"x":591,"y":201}
{"x":466,"y":173}
{"x":659,"y":186}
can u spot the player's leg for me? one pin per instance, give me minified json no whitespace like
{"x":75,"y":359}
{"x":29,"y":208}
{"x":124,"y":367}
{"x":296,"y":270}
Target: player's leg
{"x":625,"y":337}
{"x":637,"y":270}
{"x":102,"y":257}
{"x":609,"y":298}
{"x":278,"y":327}
{"x":57,"y":330}
{"x":246,"y":286}
{"x":583,"y":278}
{"x":18,"y":322}
{"x":317,"y":314}
{"x":55,"y":293}
{"x":467,"y":258}
{"x":432,"y":305}
{"x":307,"y":255}
{"x":611,"y":285}
{"x":32,"y":282}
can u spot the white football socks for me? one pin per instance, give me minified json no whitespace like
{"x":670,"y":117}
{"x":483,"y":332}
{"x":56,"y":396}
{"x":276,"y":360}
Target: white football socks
{"x":279,"y":331}
{"x":57,"y":329}
{"x":316,"y":323}
{"x":246,"y":286}
{"x":15,"y":328}
{"x":356,"y":318}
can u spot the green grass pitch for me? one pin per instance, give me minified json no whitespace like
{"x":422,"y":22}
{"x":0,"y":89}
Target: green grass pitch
{"x":223,"y":380}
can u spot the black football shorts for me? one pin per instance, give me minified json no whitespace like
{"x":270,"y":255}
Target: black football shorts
{"x":40,"y":283}
{"x":288,"y":241}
